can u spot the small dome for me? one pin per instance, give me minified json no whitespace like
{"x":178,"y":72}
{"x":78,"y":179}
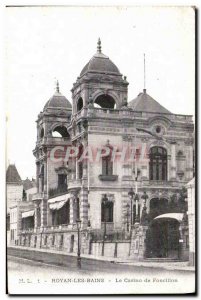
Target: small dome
{"x":100,"y":63}
{"x":58,"y":101}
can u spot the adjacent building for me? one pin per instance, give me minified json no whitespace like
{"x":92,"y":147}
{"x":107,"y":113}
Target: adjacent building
{"x":14,"y":189}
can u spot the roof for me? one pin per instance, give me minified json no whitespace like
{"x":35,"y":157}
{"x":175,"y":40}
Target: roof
{"x":146,"y":103}
{"x":12,"y":175}
{"x":100,"y":63}
{"x":28,"y":184}
{"x":58,"y":101}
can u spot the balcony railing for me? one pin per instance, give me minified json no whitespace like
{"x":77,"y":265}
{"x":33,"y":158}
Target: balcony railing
{"x":113,"y":113}
{"x":57,"y":191}
{"x":97,"y":235}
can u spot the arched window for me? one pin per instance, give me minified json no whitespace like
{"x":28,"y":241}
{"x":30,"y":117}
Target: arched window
{"x":60,"y":131}
{"x":107,"y":211}
{"x":107,"y":163}
{"x":105,"y":101}
{"x":158,"y":163}
{"x":79,"y":104}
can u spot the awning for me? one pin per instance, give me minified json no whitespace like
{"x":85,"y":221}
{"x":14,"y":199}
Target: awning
{"x":60,"y":198}
{"x":176,"y":216}
{"x":57,"y":205}
{"x":26,"y":214}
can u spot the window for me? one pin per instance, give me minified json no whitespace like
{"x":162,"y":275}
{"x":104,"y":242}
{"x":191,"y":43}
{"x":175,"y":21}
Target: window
{"x":80,"y":163}
{"x":62,"y":182}
{"x":105,"y":101}
{"x":79,"y":104}
{"x":107,"y":163}
{"x":107,"y":212}
{"x":158,"y":163}
{"x":107,"y":166}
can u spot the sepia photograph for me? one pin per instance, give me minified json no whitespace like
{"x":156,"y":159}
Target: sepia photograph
{"x":100,"y":150}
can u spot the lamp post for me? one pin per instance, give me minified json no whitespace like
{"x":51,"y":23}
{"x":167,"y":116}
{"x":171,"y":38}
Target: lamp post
{"x":127,"y":214}
{"x":104,"y":201}
{"x":131,"y":195}
{"x":78,"y":222}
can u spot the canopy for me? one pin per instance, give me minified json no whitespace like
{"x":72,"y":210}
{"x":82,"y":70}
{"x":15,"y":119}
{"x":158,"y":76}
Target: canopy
{"x":176,"y":216}
{"x":57,"y":205}
{"x":26,"y":214}
{"x":60,"y":198}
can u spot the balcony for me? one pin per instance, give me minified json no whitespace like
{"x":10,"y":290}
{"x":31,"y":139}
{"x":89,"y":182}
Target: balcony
{"x":119,"y":113}
{"x":62,"y":189}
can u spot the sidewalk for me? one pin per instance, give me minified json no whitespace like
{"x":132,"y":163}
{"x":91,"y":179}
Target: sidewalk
{"x":179,"y":266}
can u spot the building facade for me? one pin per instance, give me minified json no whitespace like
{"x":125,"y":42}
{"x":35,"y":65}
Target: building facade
{"x":124,"y":175}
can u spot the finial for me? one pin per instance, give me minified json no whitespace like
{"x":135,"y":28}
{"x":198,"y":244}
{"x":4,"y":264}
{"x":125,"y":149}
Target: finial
{"x":144,"y":90}
{"x":99,"y":46}
{"x":57,"y":86}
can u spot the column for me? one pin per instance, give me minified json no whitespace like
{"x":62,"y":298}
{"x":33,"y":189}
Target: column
{"x":173,"y":161}
{"x":144,"y":160}
{"x":36,"y":217}
{"x":45,"y":176}
{"x":189,"y":161}
{"x":71,"y":211}
{"x":37,"y":175}
{"x":43,"y":213}
{"x":84,"y":207}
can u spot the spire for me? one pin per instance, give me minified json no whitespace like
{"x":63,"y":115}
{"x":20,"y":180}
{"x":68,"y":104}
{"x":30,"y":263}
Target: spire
{"x":99,"y":46}
{"x":57,"y":86}
{"x":144,"y":90}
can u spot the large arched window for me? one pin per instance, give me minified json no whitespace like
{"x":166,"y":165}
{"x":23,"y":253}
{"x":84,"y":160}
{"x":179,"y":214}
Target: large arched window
{"x":107,"y":211}
{"x":158,"y":163}
{"x":60,"y":131}
{"x":105,"y":101}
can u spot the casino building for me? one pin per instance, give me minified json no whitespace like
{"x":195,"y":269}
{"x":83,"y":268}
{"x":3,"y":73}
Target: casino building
{"x":128,"y":208}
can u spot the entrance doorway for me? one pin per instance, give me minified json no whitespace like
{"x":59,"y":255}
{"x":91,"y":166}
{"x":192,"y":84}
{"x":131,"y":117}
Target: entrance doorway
{"x":162,"y":239}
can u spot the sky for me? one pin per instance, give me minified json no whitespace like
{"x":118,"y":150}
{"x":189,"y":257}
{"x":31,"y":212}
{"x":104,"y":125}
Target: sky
{"x":43,"y":44}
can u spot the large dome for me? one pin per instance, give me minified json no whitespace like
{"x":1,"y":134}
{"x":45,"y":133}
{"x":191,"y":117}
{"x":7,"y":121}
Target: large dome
{"x":100,"y":63}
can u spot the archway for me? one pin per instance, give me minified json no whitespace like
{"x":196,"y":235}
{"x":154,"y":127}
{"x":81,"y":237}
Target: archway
{"x":158,"y":206}
{"x":105,"y":101}
{"x":162,"y":239}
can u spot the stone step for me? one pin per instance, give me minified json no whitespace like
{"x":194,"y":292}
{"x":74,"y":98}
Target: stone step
{"x":162,"y":259}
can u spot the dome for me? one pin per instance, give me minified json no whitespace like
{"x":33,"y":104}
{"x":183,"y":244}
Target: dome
{"x":100,"y":63}
{"x":58,"y":101}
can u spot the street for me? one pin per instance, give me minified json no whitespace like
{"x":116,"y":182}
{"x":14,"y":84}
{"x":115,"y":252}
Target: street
{"x":34,"y":277}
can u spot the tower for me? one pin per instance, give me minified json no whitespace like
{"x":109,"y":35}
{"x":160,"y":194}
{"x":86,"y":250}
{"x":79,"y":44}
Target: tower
{"x":51,"y":175}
